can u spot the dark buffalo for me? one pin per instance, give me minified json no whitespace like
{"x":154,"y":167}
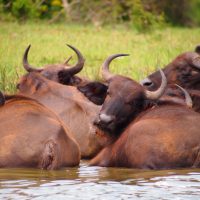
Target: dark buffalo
{"x":33,"y":136}
{"x":71,"y":106}
{"x":62,"y":73}
{"x":184,"y":70}
{"x":146,"y":132}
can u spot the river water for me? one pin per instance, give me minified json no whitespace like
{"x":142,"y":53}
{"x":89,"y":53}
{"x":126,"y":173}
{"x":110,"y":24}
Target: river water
{"x":92,"y":183}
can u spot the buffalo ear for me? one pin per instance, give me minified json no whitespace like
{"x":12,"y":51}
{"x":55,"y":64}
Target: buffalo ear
{"x":94,"y":91}
{"x":68,"y":79}
{"x":63,"y":77}
{"x":197,"y":49}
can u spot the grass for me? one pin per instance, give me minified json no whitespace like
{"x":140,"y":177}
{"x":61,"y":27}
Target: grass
{"x":147,"y":51}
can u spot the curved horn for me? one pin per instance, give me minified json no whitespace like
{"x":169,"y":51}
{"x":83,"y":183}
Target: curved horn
{"x":188,"y":99}
{"x":159,"y":92}
{"x":105,"y":67}
{"x":26,"y":65}
{"x":2,"y":99}
{"x":79,"y":65}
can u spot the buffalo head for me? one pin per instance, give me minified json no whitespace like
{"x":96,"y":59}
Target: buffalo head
{"x":61,"y":73}
{"x":123,"y":98}
{"x":184,"y":70}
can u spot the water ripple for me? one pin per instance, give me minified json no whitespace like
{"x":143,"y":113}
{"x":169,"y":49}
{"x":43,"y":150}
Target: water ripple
{"x":93,"y":183}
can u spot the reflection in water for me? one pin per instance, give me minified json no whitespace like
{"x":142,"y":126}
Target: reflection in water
{"x":99,"y":183}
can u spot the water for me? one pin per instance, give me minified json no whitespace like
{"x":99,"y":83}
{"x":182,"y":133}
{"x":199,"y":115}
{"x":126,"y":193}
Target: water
{"x":93,"y":183}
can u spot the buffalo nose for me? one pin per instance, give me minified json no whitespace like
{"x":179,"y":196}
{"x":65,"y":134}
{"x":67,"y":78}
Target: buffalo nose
{"x":146,"y":82}
{"x":106,"y":118}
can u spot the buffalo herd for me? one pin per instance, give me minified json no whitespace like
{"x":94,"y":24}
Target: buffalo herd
{"x":57,"y":118}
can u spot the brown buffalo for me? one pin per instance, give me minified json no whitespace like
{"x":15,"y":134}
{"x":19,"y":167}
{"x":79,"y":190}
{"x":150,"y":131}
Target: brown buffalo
{"x":61,"y":73}
{"x":184,"y":70}
{"x":71,"y":106}
{"x":33,"y":136}
{"x":146,"y":132}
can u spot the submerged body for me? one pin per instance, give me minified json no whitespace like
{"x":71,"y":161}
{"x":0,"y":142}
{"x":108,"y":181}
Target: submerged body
{"x":161,"y":138}
{"x":33,"y":136}
{"x":147,"y":131}
{"x":54,"y":86}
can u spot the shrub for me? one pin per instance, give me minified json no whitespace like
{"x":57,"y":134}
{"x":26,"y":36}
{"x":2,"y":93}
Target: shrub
{"x":24,"y":9}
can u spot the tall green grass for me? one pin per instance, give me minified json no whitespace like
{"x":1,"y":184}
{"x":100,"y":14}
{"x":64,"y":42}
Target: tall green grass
{"x":147,"y":51}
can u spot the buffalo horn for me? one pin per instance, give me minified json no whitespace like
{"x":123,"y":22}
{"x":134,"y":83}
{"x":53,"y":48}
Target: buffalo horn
{"x":105,"y":67}
{"x":26,"y":65}
{"x":79,"y":65}
{"x":159,"y":92}
{"x":188,"y":99}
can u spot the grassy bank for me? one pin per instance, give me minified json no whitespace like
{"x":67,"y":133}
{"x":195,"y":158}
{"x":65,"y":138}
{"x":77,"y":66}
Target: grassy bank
{"x":147,"y":51}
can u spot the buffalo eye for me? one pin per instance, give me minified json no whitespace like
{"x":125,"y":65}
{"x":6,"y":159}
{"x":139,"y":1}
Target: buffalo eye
{"x":147,"y":84}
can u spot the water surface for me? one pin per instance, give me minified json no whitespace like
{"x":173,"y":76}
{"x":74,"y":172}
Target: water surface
{"x":102,"y":183}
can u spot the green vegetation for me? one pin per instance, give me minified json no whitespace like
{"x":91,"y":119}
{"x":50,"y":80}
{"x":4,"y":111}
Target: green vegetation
{"x":147,"y":51}
{"x":141,"y":14}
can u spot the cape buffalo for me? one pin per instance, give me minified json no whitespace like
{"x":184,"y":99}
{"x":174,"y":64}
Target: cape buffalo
{"x":33,"y":136}
{"x":184,"y":70}
{"x":147,"y":133}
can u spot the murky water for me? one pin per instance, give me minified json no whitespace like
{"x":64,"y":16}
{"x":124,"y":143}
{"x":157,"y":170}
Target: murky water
{"x":92,"y":183}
